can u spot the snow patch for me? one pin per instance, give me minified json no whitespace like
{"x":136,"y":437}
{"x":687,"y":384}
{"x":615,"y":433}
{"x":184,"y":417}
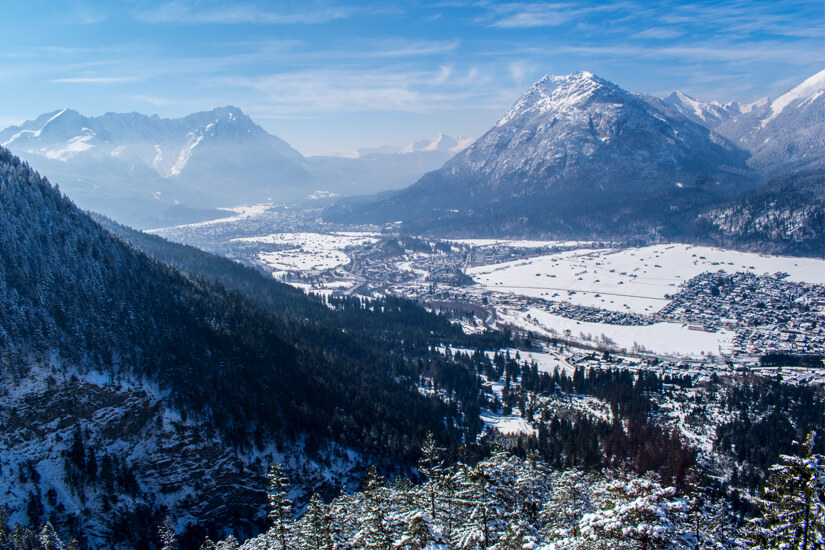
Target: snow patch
{"x":803,"y":91}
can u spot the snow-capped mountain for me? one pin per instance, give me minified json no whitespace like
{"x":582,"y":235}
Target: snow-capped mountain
{"x":787,"y":134}
{"x":710,"y":114}
{"x":441,"y":142}
{"x":147,"y":171}
{"x":128,"y":164}
{"x":575,"y":153}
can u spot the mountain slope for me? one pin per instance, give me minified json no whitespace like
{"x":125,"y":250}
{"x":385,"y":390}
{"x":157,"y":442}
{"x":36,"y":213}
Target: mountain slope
{"x":575,"y":155}
{"x":788,"y":134}
{"x":184,"y":389}
{"x":784,"y":216}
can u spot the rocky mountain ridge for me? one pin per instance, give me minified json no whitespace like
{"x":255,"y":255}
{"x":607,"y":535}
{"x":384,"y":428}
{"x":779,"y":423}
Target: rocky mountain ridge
{"x":577,"y":156}
{"x":574,"y":155}
{"x":148,"y":171}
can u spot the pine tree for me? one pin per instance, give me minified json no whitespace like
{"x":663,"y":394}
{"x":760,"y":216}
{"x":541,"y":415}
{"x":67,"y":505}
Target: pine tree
{"x":167,"y":534}
{"x":417,"y":534}
{"x":477,"y":506}
{"x":280,"y":506}
{"x":375,"y":533}
{"x":569,"y":501}
{"x":230,"y":543}
{"x":633,"y":513}
{"x":432,"y":466}
{"x":49,"y":539}
{"x":793,"y":505}
{"x":518,"y":534}
{"x":316,"y":533}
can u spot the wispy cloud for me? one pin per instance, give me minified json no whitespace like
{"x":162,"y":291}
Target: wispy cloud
{"x":354,"y":89}
{"x":187,"y":13}
{"x":521,"y":15}
{"x":407,"y":48}
{"x":152,"y":100}
{"x":702,"y":52}
{"x":659,"y":33}
{"x":95,"y":80}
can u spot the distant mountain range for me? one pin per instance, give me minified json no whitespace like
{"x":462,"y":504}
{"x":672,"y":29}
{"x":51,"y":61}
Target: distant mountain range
{"x":575,"y":156}
{"x":147,"y":171}
{"x":579,"y":156}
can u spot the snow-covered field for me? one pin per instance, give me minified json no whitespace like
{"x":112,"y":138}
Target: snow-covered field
{"x":668,"y":339}
{"x":308,"y":251}
{"x":632,"y":279}
{"x":507,"y":425}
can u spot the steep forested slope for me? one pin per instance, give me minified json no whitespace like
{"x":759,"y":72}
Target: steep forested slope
{"x":784,"y":216}
{"x":182,"y":382}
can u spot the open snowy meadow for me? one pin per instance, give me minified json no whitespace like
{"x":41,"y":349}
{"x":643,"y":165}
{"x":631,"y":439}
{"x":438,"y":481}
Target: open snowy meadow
{"x":633,"y":279}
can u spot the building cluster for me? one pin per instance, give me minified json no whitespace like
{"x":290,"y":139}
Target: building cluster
{"x":768,"y":313}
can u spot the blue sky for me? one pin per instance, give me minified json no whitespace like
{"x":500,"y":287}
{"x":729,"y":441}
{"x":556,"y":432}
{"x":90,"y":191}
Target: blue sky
{"x":334,"y":76}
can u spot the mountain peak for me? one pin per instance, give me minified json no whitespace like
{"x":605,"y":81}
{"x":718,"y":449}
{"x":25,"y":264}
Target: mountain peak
{"x":565,"y":94}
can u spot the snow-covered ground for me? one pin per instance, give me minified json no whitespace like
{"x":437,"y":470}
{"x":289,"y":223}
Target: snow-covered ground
{"x":507,"y":425}
{"x":308,"y":251}
{"x":632,"y":279}
{"x":667,"y":339}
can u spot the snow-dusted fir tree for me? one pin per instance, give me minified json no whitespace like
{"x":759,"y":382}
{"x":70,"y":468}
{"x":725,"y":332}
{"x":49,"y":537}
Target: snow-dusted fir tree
{"x":530,"y":487}
{"x":280,"y":507}
{"x":707,"y":520}
{"x":230,"y":543}
{"x":793,"y":504}
{"x":418,"y":534}
{"x":375,"y":533}
{"x":633,"y":513}
{"x":568,"y":501}
{"x":316,"y":533}
{"x":49,"y":539}
{"x":476,"y":506}
{"x":519,"y":534}
{"x":167,"y":535}
{"x":431,"y":465}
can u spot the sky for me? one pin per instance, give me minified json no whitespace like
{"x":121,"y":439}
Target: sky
{"x":330,"y":77}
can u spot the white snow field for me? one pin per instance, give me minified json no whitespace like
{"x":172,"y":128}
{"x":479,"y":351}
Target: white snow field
{"x":507,"y":425}
{"x":309,"y":251}
{"x":663,"y":339}
{"x":631,"y":279}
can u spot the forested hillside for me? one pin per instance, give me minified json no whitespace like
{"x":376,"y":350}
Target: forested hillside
{"x":784,"y":216}
{"x":90,"y":324}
